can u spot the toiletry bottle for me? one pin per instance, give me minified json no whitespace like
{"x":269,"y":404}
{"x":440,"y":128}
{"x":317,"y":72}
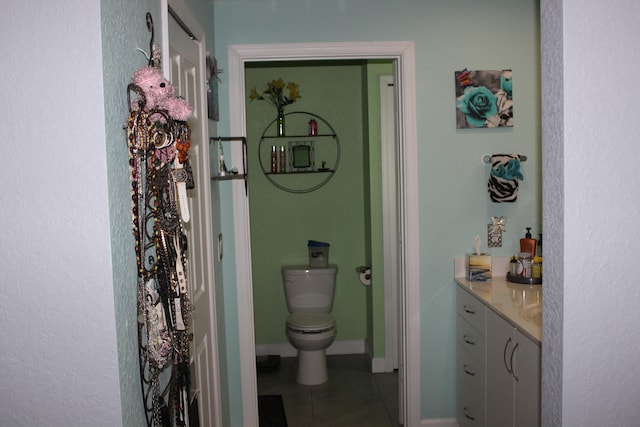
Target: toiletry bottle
{"x":313,"y":127}
{"x":528,"y":244}
{"x":525,"y":264}
{"x":274,"y":159}
{"x":513,"y":266}
{"x":539,"y":246}
{"x":283,"y":160}
{"x":222,"y":167}
{"x":536,"y":268}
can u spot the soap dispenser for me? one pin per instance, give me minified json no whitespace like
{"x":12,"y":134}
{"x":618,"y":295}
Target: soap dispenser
{"x":528,"y":244}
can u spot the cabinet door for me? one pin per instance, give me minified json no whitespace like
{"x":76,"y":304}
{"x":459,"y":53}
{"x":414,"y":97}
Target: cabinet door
{"x":526,"y":371}
{"x":500,"y":383}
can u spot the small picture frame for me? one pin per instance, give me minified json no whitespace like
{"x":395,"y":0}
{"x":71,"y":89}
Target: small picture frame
{"x":301,"y":156}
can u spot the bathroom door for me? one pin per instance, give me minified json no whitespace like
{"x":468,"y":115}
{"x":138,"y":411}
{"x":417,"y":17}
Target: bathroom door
{"x":186,"y":58}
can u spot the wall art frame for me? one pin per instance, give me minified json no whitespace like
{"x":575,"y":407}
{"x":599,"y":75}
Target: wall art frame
{"x":484,"y":98}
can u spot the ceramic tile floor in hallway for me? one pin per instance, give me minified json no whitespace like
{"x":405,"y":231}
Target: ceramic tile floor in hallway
{"x":352,"y":397}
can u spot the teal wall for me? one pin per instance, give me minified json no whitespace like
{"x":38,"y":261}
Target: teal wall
{"x":453,"y":202}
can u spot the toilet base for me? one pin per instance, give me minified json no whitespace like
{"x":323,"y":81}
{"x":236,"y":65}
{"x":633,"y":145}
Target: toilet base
{"x":312,"y":367}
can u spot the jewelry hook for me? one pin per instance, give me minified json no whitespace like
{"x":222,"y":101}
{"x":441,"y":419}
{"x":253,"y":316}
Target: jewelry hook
{"x":151,"y":30}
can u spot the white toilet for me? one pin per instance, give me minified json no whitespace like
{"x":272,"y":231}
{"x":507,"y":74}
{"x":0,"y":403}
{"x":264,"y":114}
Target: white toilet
{"x":310,"y":326}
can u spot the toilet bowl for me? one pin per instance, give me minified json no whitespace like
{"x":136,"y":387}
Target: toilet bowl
{"x":311,"y":334}
{"x":310,"y":328}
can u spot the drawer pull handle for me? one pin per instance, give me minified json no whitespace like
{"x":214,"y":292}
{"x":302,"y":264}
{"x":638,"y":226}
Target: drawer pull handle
{"x":468,"y":341}
{"x":513,"y":369}
{"x":469,"y":309}
{"x":464,"y":411}
{"x":467,"y":371}
{"x":504,"y":358}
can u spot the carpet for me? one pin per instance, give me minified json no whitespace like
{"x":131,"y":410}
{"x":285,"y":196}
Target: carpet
{"x":271,"y":411}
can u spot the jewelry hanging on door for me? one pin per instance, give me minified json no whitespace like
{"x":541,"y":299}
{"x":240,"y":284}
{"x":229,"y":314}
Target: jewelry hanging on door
{"x":158,"y":140}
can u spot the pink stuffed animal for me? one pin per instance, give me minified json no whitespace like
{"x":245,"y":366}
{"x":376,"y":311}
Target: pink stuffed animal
{"x":159,"y":94}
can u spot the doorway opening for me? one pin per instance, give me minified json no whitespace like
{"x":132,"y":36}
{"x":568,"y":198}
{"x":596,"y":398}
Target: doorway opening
{"x":402,"y":53}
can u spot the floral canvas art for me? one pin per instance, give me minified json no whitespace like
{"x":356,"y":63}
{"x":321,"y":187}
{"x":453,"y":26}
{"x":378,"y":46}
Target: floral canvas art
{"x":484,"y":99}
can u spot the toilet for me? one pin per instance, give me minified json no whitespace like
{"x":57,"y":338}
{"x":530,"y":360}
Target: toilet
{"x":310,"y":326}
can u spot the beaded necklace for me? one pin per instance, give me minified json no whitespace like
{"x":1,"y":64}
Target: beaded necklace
{"x":164,"y":307}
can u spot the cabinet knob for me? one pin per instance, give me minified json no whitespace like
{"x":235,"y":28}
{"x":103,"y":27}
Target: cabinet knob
{"x":469,"y":309}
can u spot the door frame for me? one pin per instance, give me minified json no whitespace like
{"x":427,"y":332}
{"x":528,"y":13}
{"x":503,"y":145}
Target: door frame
{"x":388,"y":138}
{"x":408,"y":264}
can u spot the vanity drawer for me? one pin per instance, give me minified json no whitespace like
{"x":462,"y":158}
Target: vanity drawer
{"x":470,"y":339}
{"x":470,"y":384}
{"x":471,"y":310}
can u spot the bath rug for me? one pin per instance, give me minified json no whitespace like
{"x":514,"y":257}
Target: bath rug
{"x":271,"y":411}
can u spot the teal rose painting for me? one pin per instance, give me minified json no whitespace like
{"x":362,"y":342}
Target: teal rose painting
{"x":484,"y":99}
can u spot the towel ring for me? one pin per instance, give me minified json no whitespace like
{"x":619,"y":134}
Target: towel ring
{"x":486,"y":158}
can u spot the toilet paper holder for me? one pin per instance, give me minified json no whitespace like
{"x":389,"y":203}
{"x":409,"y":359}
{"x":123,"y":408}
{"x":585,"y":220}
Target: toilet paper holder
{"x":365,"y":274}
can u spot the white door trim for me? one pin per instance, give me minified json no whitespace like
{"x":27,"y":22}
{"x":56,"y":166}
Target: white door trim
{"x":389,"y":222}
{"x":403,"y":53}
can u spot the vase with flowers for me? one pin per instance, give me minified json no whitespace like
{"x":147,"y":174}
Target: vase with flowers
{"x":274,"y":94}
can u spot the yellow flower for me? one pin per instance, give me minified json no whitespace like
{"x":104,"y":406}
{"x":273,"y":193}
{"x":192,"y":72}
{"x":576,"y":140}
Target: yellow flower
{"x":276,"y":84}
{"x":293,"y":91}
{"x":274,"y":93}
{"x":254,"y":94}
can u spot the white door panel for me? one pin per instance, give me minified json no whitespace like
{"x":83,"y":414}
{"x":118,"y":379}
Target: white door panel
{"x":186,"y":73}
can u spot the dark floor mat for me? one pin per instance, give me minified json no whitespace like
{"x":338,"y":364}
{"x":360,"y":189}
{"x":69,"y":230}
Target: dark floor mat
{"x":271,"y":411}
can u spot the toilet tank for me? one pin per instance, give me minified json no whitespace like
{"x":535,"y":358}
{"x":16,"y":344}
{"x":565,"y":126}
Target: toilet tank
{"x":309,"y":290}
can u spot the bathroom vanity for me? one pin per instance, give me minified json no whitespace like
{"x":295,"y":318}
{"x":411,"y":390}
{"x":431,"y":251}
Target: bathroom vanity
{"x":499,"y":333}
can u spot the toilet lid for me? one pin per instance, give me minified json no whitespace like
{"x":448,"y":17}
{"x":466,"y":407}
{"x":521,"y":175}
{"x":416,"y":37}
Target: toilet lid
{"x":311,"y":321}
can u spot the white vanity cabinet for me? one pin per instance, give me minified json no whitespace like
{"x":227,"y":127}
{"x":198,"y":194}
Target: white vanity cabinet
{"x":470,"y":360}
{"x":498,"y":355}
{"x":513,"y":376}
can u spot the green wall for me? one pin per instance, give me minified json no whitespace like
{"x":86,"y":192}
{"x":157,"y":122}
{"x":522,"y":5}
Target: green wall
{"x":282,"y":222}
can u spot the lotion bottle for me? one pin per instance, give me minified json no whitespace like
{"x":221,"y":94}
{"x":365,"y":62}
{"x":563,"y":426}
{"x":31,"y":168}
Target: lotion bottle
{"x":528,"y":244}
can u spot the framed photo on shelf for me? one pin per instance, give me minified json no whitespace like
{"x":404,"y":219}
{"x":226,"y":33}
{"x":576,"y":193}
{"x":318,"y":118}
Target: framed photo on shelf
{"x":301,"y":156}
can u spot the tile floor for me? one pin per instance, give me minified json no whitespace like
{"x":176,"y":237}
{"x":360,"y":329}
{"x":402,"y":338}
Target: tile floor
{"x":352,"y":397}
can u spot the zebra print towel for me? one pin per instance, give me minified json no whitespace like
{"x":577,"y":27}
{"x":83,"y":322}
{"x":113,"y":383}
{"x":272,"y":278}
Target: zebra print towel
{"x":503,"y":181}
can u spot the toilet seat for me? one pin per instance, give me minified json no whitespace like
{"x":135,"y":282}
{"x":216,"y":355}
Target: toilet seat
{"x":311,"y":323}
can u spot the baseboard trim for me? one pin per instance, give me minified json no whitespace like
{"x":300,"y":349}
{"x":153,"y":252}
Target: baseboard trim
{"x":286,"y":350}
{"x":439,"y":422}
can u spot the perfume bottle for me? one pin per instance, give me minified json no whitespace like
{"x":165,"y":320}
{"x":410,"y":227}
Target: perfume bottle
{"x":283,"y":160}
{"x":274,"y":159}
{"x":313,"y":127}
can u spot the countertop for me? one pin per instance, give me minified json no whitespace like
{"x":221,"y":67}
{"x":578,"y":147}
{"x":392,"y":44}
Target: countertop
{"x":521,"y":305}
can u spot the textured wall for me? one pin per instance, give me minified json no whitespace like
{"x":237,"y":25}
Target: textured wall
{"x":124,"y":29}
{"x":553,"y":209}
{"x":592,"y":338}
{"x":59,"y":360}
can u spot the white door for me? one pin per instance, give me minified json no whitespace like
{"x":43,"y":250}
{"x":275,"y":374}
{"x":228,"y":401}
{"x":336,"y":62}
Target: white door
{"x":186,"y":58}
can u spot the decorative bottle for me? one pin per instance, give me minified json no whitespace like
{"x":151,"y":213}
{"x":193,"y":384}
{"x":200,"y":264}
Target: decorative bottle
{"x":283,"y":160}
{"x":274,"y":159}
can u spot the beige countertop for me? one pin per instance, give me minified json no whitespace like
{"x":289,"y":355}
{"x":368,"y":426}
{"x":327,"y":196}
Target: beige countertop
{"x":519,"y":304}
